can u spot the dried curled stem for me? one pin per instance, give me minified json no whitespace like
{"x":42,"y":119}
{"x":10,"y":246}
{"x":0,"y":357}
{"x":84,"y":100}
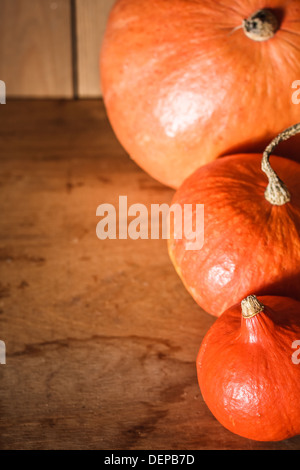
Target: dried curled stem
{"x":261,"y":26}
{"x":277,"y":192}
{"x":251,"y":306}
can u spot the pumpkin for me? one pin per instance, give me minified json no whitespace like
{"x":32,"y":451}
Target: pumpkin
{"x":251,"y":229}
{"x":186,"y":81}
{"x":248,"y":368}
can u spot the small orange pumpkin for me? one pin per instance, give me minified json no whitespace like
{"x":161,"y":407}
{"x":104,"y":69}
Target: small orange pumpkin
{"x":185,"y":81}
{"x":248,"y":368}
{"x":251,"y":235}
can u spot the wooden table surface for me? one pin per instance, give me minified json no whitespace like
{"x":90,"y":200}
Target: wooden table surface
{"x":101,"y":336}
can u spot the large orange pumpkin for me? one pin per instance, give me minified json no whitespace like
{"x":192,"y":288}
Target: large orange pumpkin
{"x":251,"y":229}
{"x":185,"y":81}
{"x":248,"y":368}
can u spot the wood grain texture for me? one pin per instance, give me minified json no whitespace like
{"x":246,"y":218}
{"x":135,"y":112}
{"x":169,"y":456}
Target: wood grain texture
{"x":36,"y":48}
{"x":101,"y":336}
{"x":91,"y":16}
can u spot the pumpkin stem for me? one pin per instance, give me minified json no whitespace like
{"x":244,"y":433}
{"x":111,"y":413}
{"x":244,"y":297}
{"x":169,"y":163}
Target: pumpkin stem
{"x":251,"y":306}
{"x":261,"y":26}
{"x":276,"y":192}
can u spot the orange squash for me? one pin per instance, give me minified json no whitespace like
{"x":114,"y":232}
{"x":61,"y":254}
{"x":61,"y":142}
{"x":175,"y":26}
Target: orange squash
{"x":186,"y":81}
{"x":251,"y":234}
{"x":248,"y":368}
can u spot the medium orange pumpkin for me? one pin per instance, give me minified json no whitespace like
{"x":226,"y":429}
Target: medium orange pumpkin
{"x":186,"y":81}
{"x":251,"y":235}
{"x":248,"y":368}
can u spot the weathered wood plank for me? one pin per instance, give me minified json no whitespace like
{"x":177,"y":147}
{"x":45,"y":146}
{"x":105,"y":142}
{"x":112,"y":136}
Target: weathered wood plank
{"x":101,"y":337}
{"x":91,"y":18}
{"x":35,"y":48}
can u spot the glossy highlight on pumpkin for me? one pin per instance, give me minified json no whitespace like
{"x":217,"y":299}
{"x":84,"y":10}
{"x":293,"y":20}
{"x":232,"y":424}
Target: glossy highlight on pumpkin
{"x":183,"y":84}
{"x":246,"y":373}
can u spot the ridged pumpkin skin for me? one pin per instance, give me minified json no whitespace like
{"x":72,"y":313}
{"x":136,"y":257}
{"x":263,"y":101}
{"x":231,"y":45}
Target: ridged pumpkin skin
{"x":250,"y":245}
{"x":246,"y":373}
{"x":181,"y":87}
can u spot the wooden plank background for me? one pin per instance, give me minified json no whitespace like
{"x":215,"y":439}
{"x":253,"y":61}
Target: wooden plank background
{"x":91,"y":18}
{"x":101,"y":336}
{"x":50,"y":48}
